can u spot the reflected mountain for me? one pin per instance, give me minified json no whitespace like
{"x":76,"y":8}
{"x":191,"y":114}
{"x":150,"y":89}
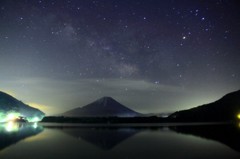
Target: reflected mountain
{"x":13,"y":132}
{"x":226,"y":134}
{"x":104,"y":138}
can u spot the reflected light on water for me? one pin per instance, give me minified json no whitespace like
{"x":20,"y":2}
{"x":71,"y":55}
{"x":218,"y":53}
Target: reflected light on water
{"x":35,"y":125}
{"x":11,"y":127}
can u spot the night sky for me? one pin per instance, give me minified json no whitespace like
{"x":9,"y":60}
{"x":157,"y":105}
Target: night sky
{"x":151,"y":55}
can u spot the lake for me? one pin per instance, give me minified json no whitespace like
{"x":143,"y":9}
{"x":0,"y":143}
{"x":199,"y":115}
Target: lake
{"x":48,"y":141}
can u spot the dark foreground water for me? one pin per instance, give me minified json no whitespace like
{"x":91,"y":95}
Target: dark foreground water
{"x":32,"y":141}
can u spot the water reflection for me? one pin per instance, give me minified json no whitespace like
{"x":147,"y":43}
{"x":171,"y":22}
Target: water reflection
{"x":104,"y":138}
{"x":225,"y":134}
{"x":13,"y":132}
{"x":81,"y":141}
{"x":108,"y":138}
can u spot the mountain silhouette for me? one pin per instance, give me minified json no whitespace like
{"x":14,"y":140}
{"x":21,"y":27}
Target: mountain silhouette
{"x":104,"y":138}
{"x":10,"y":104}
{"x":225,"y":109}
{"x":103,"y":107}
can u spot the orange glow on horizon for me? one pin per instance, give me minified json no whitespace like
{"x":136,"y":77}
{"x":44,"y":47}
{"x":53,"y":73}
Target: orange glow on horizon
{"x":41,"y":107}
{"x":10,"y":93}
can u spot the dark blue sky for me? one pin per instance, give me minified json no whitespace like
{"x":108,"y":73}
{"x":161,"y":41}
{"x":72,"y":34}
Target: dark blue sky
{"x":151,"y":55}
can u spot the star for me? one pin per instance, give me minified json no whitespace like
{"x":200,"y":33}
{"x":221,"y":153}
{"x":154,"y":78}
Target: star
{"x":71,"y":45}
{"x":156,"y":82}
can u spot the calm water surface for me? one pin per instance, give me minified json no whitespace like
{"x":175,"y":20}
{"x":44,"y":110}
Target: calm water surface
{"x":31,"y":141}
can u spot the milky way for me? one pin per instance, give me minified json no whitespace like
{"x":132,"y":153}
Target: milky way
{"x":151,"y":55}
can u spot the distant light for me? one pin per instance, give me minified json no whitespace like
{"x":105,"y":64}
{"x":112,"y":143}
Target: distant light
{"x":34,"y":119}
{"x":238,"y":116}
{"x":184,"y":37}
{"x":12,"y":116}
{"x":5,"y":117}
